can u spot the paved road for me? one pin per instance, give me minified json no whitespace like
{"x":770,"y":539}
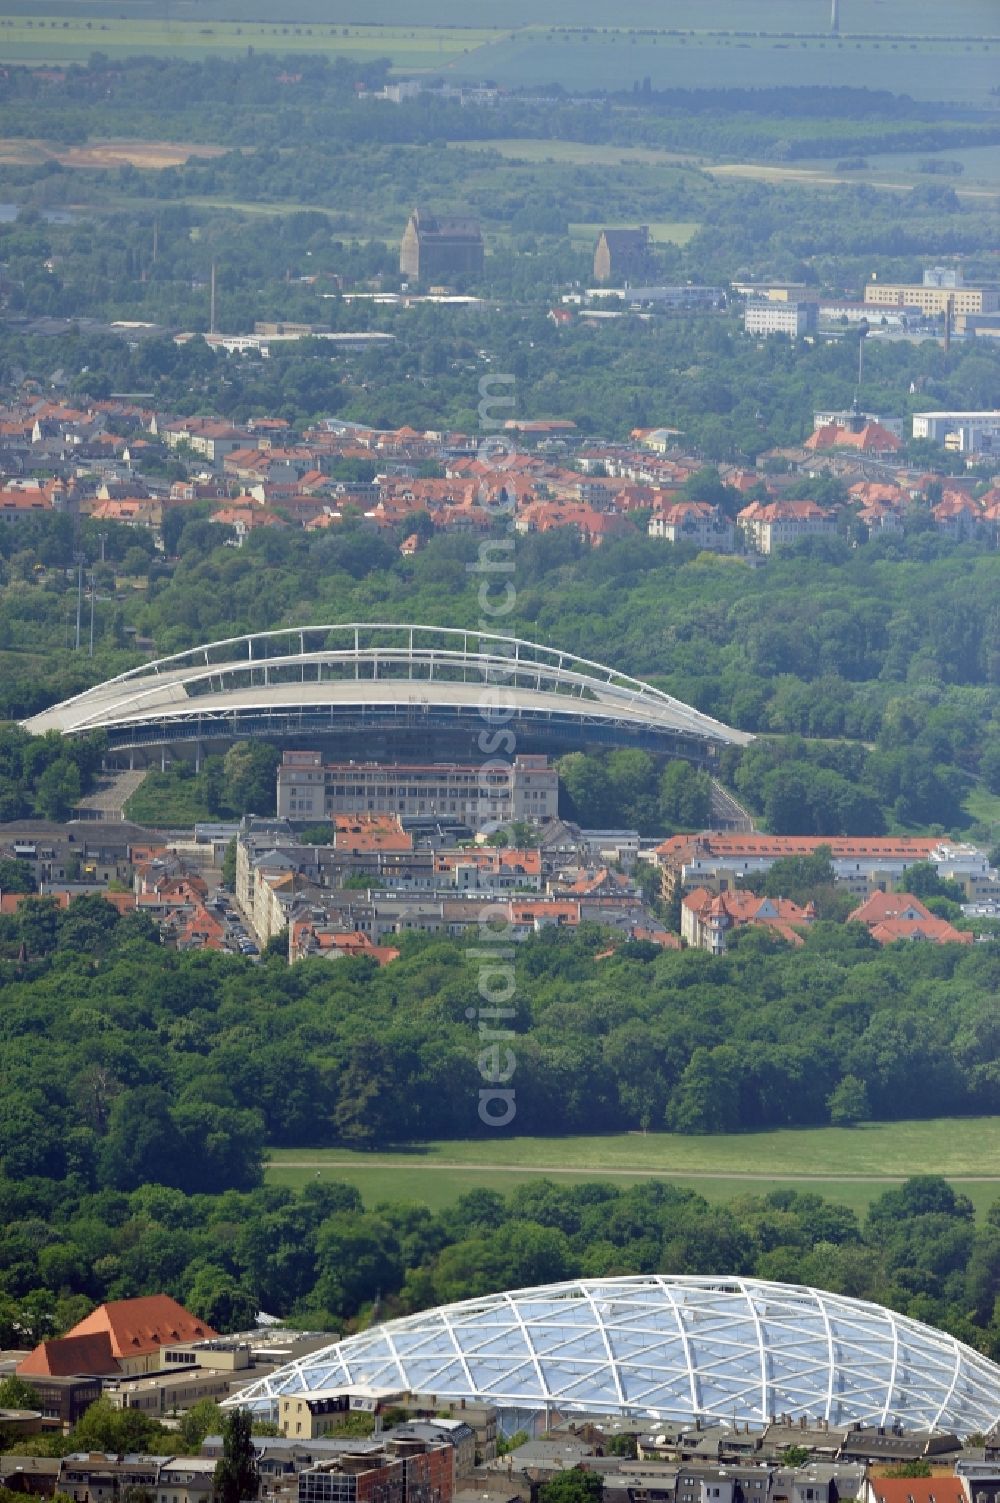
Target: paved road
{"x":637,"y":1173}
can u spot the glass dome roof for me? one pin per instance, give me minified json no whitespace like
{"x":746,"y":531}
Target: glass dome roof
{"x":675,"y":1348}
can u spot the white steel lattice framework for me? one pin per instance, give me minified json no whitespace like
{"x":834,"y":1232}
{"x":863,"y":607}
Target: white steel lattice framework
{"x":319,"y":679}
{"x":728,"y":1349}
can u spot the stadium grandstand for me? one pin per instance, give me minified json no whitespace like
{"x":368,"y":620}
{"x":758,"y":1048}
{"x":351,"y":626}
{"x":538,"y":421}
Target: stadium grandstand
{"x":382,"y":690}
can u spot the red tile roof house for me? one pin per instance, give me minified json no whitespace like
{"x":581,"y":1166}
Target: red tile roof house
{"x":872,"y":438}
{"x":17,"y":504}
{"x":693,"y":522}
{"x":914,"y":1490}
{"x":891,"y":916}
{"x":768,"y":525}
{"x":707,"y":918}
{"x":123,"y":1336}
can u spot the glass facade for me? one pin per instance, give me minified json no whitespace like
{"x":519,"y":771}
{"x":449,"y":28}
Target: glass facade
{"x":737,"y":1350}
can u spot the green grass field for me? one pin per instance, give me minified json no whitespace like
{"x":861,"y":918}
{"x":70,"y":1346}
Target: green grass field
{"x":984,"y":807}
{"x":163,"y":803}
{"x":848,"y":1165}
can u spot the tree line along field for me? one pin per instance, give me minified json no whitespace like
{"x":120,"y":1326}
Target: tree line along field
{"x":851,"y":1166}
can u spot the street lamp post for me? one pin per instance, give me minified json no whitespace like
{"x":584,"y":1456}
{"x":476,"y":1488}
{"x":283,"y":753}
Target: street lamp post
{"x":78,"y":558}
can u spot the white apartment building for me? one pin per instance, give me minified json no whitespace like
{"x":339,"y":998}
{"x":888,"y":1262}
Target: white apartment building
{"x":765,"y":317}
{"x":964,"y":431}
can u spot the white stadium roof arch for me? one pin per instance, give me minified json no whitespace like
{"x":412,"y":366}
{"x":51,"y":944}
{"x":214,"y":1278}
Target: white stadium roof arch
{"x":322,"y":680}
{"x":729,"y":1350}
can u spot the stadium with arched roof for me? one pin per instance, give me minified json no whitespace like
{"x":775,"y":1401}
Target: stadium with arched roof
{"x":684,"y":1348}
{"x":380,"y":689}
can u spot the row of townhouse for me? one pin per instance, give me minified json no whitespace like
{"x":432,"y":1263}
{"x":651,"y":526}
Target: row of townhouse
{"x":98,"y":1477}
{"x":309,"y":913}
{"x":416,"y":1462}
{"x":285,"y":886}
{"x":720,"y":1463}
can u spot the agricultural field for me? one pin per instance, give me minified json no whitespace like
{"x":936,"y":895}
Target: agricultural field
{"x":888,"y":176}
{"x":958,"y":17}
{"x":615,"y":59}
{"x":51,"y":38}
{"x":980,"y":168}
{"x":907,"y":52}
{"x":23,"y":152}
{"x":852,"y":1166}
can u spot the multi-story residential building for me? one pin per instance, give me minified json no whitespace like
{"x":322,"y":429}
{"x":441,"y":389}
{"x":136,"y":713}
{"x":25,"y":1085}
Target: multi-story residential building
{"x":95,"y":1478}
{"x":185,"y":1479}
{"x":93,"y":851}
{"x":489,"y":870}
{"x":762,"y":316}
{"x":396,"y":1467}
{"x":15,"y":505}
{"x":210,"y":437}
{"x":768,"y":525}
{"x":708,"y":918}
{"x":694,"y":522}
{"x":455,"y":1442}
{"x":310,"y":790}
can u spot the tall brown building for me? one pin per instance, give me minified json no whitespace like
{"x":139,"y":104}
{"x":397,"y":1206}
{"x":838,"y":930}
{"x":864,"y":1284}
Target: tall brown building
{"x":622,"y":255}
{"x":435,"y":248}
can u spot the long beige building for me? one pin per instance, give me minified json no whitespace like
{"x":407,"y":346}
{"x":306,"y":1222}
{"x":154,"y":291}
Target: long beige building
{"x":932,"y":301}
{"x":309,"y":789}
